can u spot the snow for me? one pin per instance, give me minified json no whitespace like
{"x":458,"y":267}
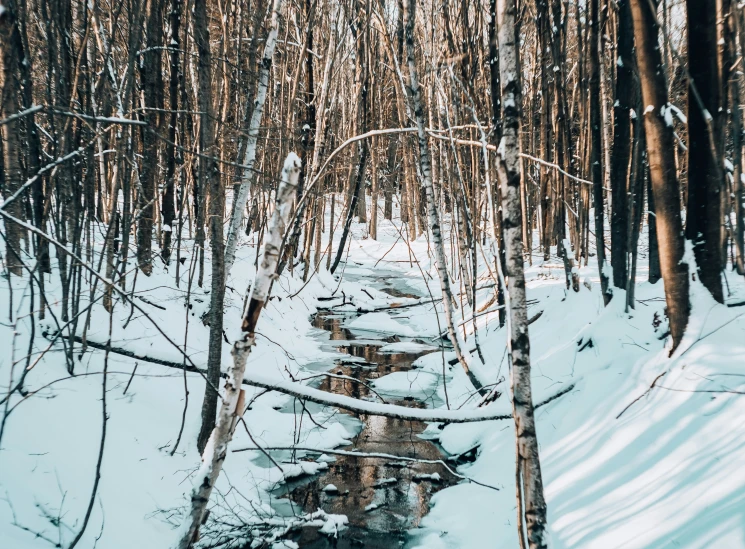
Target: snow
{"x":334,"y":524}
{"x":412,"y":382}
{"x":667,"y":113}
{"x":661,"y":471}
{"x":434,"y":477}
{"x":406,"y":347}
{"x":380,"y":322}
{"x":385,"y":482}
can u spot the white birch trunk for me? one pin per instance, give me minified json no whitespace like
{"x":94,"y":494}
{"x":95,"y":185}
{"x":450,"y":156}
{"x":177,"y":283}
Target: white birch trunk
{"x":239,"y":200}
{"x":432,"y":213}
{"x":232,"y":403}
{"x":532,"y":507}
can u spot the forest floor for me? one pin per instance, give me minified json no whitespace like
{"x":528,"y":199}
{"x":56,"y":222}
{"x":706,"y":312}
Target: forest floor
{"x":643,"y":451}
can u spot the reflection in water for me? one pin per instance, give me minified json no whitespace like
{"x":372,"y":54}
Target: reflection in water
{"x":394,"y":507}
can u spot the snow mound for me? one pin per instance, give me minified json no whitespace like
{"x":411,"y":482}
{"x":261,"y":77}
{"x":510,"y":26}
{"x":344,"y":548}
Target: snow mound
{"x":380,"y":322}
{"x":407,"y":347}
{"x":411,"y":382}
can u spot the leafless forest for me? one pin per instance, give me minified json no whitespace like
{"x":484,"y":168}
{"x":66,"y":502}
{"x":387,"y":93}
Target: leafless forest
{"x":226,"y":148}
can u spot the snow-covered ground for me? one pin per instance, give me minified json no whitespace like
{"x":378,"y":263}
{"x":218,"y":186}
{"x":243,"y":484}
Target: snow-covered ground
{"x":623,"y":465}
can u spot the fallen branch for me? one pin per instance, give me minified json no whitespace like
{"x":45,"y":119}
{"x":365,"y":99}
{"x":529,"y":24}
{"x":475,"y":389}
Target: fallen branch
{"x":304,"y":392}
{"x":645,"y":393}
{"x":132,"y":354}
{"x":369,"y":455}
{"x":404,"y":306}
{"x":535,"y":317}
{"x":151,"y":303}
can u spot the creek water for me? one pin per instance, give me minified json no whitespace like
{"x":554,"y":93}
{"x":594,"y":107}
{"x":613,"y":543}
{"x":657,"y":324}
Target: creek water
{"x":383,"y":499}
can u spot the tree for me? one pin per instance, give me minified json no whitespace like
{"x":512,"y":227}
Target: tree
{"x":152,"y":85}
{"x":704,"y":209}
{"x":531,"y":503}
{"x":596,"y":150}
{"x":659,"y":137}
{"x":621,"y":152}
{"x":209,"y":176}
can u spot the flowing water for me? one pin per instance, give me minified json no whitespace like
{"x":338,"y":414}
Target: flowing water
{"x":381,"y":498}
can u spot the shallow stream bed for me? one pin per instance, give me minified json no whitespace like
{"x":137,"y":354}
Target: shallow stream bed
{"x":382,"y":498}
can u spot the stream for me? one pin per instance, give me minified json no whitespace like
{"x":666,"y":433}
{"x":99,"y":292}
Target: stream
{"x":382,"y":499}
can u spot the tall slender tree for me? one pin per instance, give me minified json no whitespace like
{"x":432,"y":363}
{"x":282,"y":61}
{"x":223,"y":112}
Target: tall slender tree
{"x":209,"y":176}
{"x":531,"y":503}
{"x":659,"y":138}
{"x":705,"y":166}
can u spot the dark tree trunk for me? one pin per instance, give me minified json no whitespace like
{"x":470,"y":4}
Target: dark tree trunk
{"x":619,"y":168}
{"x":169,"y":207}
{"x":209,"y":175}
{"x":152,"y":87}
{"x":11,"y":49}
{"x":655,"y":274}
{"x":596,"y":149}
{"x":357,"y":190}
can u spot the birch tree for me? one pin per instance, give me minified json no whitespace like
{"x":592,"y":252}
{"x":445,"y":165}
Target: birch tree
{"x":531,"y":503}
{"x":249,"y":158}
{"x":433,"y":217}
{"x":231,"y":410}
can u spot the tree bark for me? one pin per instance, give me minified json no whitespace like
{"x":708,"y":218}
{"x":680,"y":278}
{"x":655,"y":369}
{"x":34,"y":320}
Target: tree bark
{"x":596,"y":149}
{"x":704,"y":208}
{"x":529,"y":480}
{"x":10,"y":41}
{"x":432,"y":213}
{"x":621,"y":152}
{"x":361,"y":78}
{"x":660,"y":145}
{"x":232,"y":405}
{"x":168,"y":204}
{"x":209,"y":176}
{"x":152,"y":87}
{"x":240,"y":198}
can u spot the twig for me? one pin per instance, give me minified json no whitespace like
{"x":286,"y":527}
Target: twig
{"x":371,"y":455}
{"x":642,"y":395}
{"x":130,"y":379}
{"x":97,"y":477}
{"x":258,"y":446}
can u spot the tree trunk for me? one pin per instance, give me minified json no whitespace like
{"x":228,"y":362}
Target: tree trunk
{"x":432,"y":213}
{"x":169,"y":207}
{"x":660,"y":145}
{"x":704,"y":211}
{"x":357,"y":191}
{"x":249,"y":158}
{"x":529,"y":482}
{"x":209,"y":175}
{"x":619,"y":180}
{"x":234,"y":400}
{"x":596,"y":150}
{"x":10,"y":42}
{"x":152,"y":87}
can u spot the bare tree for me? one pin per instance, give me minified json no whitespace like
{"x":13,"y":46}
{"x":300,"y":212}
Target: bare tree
{"x":659,"y":136}
{"x":531,"y":503}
